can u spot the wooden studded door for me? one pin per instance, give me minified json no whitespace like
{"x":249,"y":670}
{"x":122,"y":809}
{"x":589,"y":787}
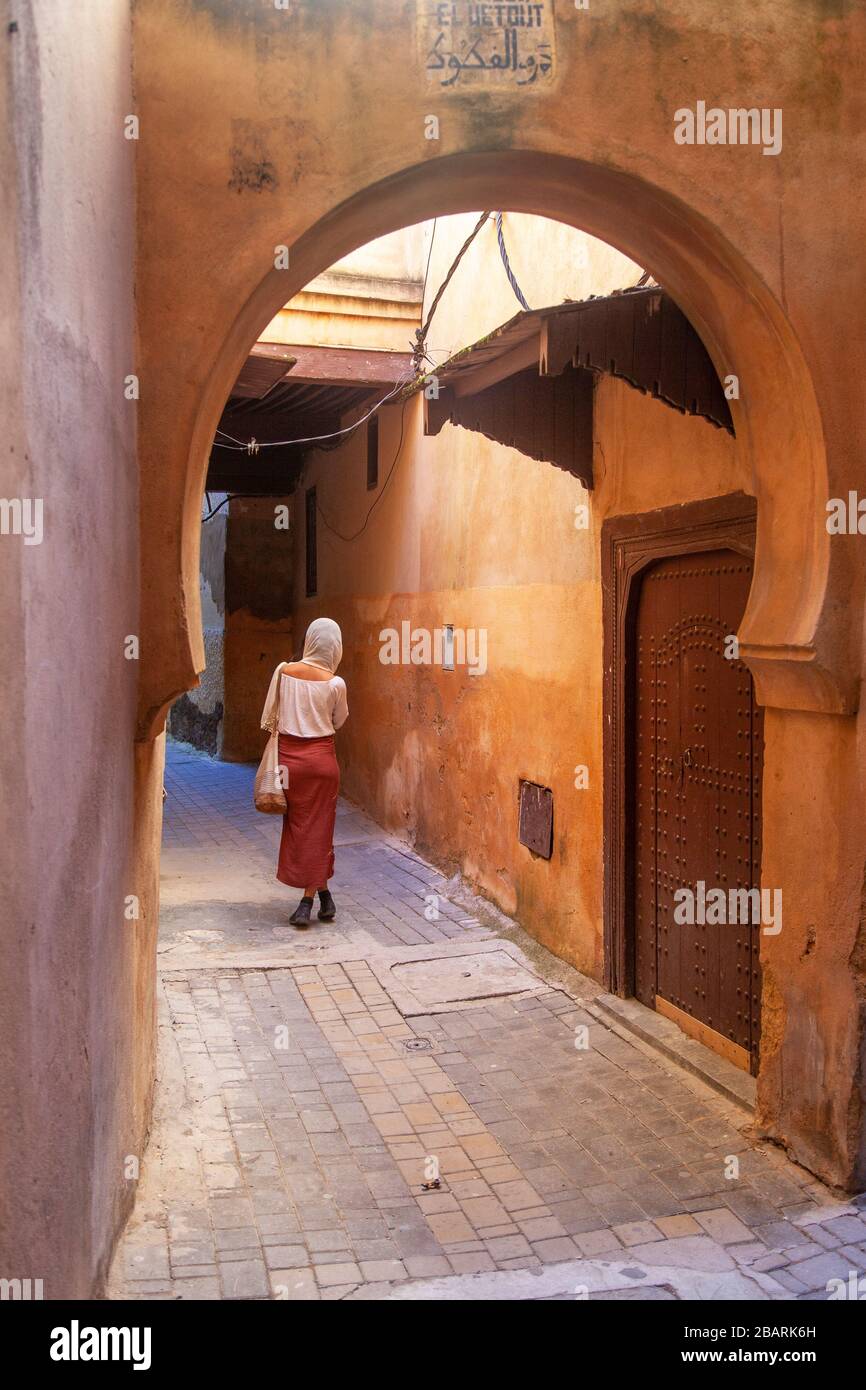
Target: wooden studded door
{"x":698,"y":745}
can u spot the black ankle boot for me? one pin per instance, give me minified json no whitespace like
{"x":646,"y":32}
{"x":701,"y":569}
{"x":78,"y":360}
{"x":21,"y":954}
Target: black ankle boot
{"x":301,"y":915}
{"x":327,"y":907}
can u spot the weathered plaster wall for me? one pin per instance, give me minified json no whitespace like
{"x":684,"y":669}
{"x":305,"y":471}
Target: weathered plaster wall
{"x":370,"y":298}
{"x":813,"y":971}
{"x":259,"y":626}
{"x":345,"y":315}
{"x":324,"y":164}
{"x":294,"y":145}
{"x":478,"y":536}
{"x":76,"y":977}
{"x":197,"y":717}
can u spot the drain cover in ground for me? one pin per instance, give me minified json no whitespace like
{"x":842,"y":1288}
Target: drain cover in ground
{"x":451,"y":979}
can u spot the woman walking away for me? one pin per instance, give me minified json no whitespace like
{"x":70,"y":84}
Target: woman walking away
{"x":307,"y":703}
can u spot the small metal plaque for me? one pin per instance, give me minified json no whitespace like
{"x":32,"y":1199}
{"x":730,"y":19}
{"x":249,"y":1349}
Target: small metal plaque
{"x":535,"y":827}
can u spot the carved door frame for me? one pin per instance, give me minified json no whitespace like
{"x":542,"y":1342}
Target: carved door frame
{"x":629,"y":545}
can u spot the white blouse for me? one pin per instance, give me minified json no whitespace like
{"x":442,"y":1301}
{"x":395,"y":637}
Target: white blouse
{"x":312,"y":709}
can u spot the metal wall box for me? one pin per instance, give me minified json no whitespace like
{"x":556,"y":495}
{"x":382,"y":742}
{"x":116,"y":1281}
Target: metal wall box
{"x":535,"y":824}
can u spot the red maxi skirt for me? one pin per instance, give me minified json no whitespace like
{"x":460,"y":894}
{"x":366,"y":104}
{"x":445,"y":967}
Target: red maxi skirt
{"x":307,"y":844}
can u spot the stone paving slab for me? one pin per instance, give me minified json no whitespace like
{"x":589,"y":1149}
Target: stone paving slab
{"x":666,"y":1037}
{"x":445,"y":979}
{"x":310,"y":1141}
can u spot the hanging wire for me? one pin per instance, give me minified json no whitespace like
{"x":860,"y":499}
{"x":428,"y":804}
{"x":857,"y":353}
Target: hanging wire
{"x":229,"y":497}
{"x":419,"y":353}
{"x":254,"y":445}
{"x":379,"y":495}
{"x":429,"y":259}
{"x":421,"y":333}
{"x":512,"y":279}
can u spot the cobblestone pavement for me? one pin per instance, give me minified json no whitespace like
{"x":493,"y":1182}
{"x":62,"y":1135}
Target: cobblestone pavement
{"x":303,"y":1097}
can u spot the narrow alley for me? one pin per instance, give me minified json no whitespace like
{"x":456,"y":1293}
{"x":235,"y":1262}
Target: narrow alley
{"x":315,"y":1085}
{"x":433,"y":564}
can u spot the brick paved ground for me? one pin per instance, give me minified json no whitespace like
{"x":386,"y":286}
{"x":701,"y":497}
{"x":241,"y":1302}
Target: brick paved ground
{"x":299,"y":1110}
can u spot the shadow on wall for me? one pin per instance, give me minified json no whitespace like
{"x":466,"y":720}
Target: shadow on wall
{"x":189,"y":723}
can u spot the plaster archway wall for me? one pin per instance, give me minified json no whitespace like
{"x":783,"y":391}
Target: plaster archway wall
{"x":306,"y":127}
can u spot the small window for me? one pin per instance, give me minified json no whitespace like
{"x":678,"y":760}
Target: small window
{"x":448,"y":647}
{"x":372,"y":452}
{"x":312,"y":574}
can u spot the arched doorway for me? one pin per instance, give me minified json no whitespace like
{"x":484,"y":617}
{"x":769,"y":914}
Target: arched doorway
{"x":740,"y":323}
{"x":790,"y":636}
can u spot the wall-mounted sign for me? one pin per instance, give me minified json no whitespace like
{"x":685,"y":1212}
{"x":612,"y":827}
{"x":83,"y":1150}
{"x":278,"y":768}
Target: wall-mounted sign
{"x":535,"y":819}
{"x":493,"y":44}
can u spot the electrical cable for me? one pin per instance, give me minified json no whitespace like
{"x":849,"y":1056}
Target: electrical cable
{"x":239,"y":442}
{"x":380,"y":494}
{"x":421,"y":333}
{"x":229,"y":497}
{"x":237,"y":446}
{"x":429,"y":259}
{"x":512,"y":278}
{"x":254,"y":445}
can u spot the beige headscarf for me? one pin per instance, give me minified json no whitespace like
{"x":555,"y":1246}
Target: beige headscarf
{"x":323,"y":645}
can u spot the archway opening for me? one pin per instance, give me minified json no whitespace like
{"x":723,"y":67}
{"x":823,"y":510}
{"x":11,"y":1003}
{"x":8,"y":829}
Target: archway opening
{"x":384,"y":460}
{"x":736,"y":317}
{"x":738,"y":322}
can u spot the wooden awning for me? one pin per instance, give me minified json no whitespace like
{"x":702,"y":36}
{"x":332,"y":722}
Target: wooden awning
{"x":260,"y":373}
{"x":529,"y":383}
{"x":638,"y":335}
{"x":334,"y":366}
{"x":294,"y":392}
{"x":545,"y":418}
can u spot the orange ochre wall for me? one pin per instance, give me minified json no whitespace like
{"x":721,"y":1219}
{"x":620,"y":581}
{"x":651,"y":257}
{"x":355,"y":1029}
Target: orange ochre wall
{"x":474,"y":534}
{"x":258,"y":615}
